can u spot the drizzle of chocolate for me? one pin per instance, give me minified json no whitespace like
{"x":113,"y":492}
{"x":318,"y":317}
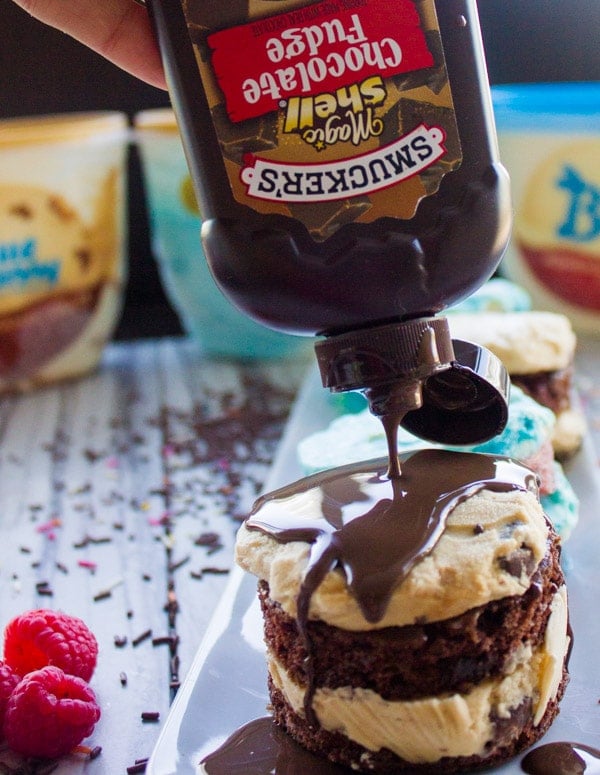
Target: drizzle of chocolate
{"x":373,"y":527}
{"x":562,"y":758}
{"x":390,"y":426}
{"x":262,"y":748}
{"x":391,"y":402}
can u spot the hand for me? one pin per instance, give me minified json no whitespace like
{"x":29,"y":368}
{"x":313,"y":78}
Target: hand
{"x":119,"y":30}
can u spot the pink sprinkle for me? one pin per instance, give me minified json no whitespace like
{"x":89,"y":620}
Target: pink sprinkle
{"x":112,"y":462}
{"x":47,"y":526}
{"x":160,"y":521}
{"x":224,"y":464}
{"x":168,"y":450}
{"x":87,"y":564}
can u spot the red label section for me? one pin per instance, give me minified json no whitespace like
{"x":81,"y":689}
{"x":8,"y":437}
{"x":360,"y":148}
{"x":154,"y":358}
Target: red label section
{"x":318,"y":48}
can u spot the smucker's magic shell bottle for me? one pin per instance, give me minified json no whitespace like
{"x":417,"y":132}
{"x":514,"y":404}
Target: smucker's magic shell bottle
{"x":345,"y":160}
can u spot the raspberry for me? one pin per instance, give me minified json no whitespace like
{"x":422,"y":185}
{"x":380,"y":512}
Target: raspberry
{"x":49,"y":713}
{"x":8,"y":680}
{"x":44,"y":637}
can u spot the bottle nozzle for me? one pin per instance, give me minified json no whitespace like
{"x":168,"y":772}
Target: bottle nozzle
{"x":445,"y":391}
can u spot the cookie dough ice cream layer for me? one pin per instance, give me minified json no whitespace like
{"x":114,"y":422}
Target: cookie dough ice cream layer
{"x":464,"y":569}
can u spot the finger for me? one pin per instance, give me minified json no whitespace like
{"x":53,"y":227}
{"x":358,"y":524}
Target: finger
{"x":118,"y":30}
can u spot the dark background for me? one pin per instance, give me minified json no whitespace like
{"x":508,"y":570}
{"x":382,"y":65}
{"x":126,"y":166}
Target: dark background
{"x":44,"y":71}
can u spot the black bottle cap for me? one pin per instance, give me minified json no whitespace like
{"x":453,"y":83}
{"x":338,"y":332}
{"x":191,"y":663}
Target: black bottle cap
{"x":465,"y":404}
{"x":461,"y":394}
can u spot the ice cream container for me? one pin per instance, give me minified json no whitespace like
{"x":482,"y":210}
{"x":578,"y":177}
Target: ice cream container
{"x":549,"y":136}
{"x":212,"y":320}
{"x":62,"y":243}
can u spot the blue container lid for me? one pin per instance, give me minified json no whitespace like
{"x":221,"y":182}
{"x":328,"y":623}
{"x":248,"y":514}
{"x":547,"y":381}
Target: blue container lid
{"x":543,"y":107}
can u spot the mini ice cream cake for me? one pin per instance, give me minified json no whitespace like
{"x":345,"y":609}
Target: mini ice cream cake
{"x":416,"y":624}
{"x":537,"y":349}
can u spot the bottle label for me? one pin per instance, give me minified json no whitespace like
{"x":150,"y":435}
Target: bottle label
{"x":50,"y":253}
{"x":330,"y":112}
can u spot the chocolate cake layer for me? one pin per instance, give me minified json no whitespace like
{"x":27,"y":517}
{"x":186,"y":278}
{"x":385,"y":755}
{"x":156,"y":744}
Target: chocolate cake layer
{"x":405,"y":663}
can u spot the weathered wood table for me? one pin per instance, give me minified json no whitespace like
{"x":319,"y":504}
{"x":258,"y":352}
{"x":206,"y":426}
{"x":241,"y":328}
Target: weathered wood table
{"x":120,"y":496}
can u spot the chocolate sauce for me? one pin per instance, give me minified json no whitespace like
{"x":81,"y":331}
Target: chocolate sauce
{"x":562,"y":758}
{"x":261,"y":748}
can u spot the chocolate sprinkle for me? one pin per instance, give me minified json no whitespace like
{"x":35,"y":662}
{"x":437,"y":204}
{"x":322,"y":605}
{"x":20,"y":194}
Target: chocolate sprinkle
{"x":138,"y":767}
{"x":141,"y":638}
{"x":102,"y":595}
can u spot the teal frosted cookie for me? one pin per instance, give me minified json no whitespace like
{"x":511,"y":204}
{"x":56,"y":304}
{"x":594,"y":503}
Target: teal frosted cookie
{"x":357,"y":436}
{"x":562,"y":504}
{"x":529,"y":429}
{"x":350,"y":438}
{"x":497,"y":295}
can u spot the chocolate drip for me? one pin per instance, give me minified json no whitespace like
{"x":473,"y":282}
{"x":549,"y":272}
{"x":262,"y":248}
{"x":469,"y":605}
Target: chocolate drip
{"x":376,"y":528}
{"x":562,"y":759}
{"x":262,"y":748}
{"x":390,"y":426}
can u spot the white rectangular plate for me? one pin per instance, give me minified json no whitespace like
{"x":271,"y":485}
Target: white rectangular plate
{"x":226,"y":685}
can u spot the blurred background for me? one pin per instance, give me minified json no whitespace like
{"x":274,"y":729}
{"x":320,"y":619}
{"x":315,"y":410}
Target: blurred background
{"x":43,"y":71}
